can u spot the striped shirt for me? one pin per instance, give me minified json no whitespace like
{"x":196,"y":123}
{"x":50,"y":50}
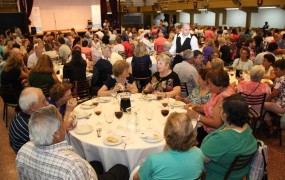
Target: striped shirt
{"x":19,"y":131}
{"x":57,"y":161}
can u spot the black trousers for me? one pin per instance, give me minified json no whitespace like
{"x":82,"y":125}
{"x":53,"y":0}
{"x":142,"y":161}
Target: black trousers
{"x":117,"y":172}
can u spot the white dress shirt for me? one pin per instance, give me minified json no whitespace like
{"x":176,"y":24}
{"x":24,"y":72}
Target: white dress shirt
{"x":193,"y":42}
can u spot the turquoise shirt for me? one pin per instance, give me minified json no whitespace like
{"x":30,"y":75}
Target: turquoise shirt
{"x":173,"y":165}
{"x":222,"y":146}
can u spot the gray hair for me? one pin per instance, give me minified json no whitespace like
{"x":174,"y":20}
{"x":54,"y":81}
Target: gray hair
{"x":217,"y":63}
{"x":96,"y":55}
{"x":29,"y":97}
{"x":166,"y":46}
{"x":256,"y":73}
{"x":187,"y":54}
{"x":43,"y":124}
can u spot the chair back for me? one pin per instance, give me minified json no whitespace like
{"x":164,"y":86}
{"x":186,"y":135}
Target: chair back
{"x":184,"y":89}
{"x":45,"y":88}
{"x":82,"y":90}
{"x":8,"y":94}
{"x":240,"y":162}
{"x":140,"y":70}
{"x":123,"y":54}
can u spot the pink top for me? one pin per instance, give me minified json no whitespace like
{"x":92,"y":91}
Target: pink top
{"x":154,"y":32}
{"x":158,"y":44}
{"x":87,"y":52}
{"x":215,"y":99}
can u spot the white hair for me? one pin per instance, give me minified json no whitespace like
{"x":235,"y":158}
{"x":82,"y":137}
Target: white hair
{"x":96,"y":55}
{"x":43,"y":123}
{"x":257,"y":73}
{"x":29,"y":97}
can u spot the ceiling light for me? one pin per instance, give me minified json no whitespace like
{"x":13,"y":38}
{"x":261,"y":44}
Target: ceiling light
{"x":231,"y":9}
{"x":158,"y":11}
{"x":267,"y":7}
{"x":109,"y":12}
{"x":178,"y":10}
{"x":202,"y":9}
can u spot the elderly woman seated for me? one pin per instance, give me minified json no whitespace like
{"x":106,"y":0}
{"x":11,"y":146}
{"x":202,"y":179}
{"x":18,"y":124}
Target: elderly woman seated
{"x":121,"y":80}
{"x":254,"y":86}
{"x":164,"y":79}
{"x":182,"y":160}
{"x":233,"y":138}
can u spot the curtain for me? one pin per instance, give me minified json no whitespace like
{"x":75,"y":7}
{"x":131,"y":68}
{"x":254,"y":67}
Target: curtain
{"x":103,"y":4}
{"x":26,"y":8}
{"x":114,"y":8}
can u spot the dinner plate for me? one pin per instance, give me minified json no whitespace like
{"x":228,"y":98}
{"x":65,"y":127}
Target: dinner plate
{"x":103,"y":99}
{"x":86,"y":106}
{"x":149,"y":97}
{"x":80,"y":114}
{"x":83,"y":129}
{"x":153,"y":137}
{"x":112,"y":140}
{"x":177,"y":104}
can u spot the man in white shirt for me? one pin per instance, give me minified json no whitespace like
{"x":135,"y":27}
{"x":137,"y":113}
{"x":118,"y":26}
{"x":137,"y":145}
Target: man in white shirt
{"x":64,"y":50}
{"x":272,"y":47}
{"x":118,"y":47}
{"x":33,"y":58}
{"x":111,"y":56}
{"x":181,"y":42}
{"x":186,"y":71}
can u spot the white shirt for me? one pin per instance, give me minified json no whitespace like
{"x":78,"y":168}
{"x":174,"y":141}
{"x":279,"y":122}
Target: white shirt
{"x":193,"y":42}
{"x":32,"y":60}
{"x":259,"y":58}
{"x":149,"y":45}
{"x":115,"y":57}
{"x":100,"y":34}
{"x":118,"y":47}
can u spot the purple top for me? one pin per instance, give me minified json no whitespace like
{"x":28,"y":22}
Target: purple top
{"x":207,"y":51}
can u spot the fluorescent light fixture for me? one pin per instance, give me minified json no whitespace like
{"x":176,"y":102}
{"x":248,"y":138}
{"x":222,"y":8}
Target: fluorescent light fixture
{"x":178,"y":10}
{"x":232,"y":9}
{"x":202,"y":9}
{"x":158,"y":11}
{"x":109,"y":12}
{"x":267,"y":7}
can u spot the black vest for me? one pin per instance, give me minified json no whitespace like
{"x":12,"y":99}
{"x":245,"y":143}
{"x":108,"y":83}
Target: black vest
{"x":180,"y":48}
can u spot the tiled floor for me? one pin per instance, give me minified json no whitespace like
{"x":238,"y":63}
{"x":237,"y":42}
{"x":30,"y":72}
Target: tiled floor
{"x":276,"y":161}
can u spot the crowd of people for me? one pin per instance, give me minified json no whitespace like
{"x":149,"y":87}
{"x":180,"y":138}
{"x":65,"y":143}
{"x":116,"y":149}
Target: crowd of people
{"x":196,"y":56}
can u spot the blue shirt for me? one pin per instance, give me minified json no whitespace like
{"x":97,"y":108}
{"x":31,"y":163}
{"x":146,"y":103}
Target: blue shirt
{"x":173,"y":165}
{"x":62,"y":108}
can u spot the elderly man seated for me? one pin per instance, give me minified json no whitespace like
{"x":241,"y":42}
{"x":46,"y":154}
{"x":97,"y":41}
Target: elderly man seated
{"x":48,"y":156}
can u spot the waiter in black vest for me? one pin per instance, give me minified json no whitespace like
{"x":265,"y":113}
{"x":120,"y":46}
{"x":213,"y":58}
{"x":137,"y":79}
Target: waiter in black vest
{"x":181,"y":42}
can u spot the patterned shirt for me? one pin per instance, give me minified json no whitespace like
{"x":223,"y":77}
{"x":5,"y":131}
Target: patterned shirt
{"x":19,"y":131}
{"x":196,"y":98}
{"x":57,"y":161}
{"x":280,"y":85}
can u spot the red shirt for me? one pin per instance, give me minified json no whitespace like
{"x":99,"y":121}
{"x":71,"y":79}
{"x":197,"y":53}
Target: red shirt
{"x":128,"y":48}
{"x":158,"y":44}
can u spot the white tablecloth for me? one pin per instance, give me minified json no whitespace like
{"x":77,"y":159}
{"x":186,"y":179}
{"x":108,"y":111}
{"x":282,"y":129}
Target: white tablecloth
{"x":153,"y":67}
{"x":90,"y":147}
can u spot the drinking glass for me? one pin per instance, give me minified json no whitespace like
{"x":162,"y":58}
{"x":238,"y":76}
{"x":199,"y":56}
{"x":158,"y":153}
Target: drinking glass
{"x":118,"y":113}
{"x":159,"y":94}
{"x":94,"y":102}
{"x":149,"y":116}
{"x":113,"y":94}
{"x":109,"y":117}
{"x":165,"y":102}
{"x":165,"y":111}
{"x":98,"y":111}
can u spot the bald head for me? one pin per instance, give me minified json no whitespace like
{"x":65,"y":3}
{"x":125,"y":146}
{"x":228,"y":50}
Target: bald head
{"x":186,"y":29}
{"x":16,"y":52}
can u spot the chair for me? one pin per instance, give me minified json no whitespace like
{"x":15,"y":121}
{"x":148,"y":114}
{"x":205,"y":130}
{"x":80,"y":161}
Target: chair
{"x":240,"y":162}
{"x":45,"y":88}
{"x":10,"y":98}
{"x":82,"y":90}
{"x":254,"y":100}
{"x":141,"y":74}
{"x":184,"y":89}
{"x":277,"y":122}
{"x":123,"y":54}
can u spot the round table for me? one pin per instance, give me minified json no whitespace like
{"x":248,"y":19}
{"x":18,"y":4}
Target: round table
{"x":91,"y":147}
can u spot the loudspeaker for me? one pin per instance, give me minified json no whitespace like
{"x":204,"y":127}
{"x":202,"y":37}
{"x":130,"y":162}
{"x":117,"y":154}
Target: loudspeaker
{"x":33,"y":30}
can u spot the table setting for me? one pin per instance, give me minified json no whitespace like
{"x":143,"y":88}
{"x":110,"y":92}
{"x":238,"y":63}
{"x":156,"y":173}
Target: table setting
{"x":111,"y":132}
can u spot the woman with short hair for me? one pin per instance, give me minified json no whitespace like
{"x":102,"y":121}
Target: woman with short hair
{"x":121,"y":80}
{"x":182,"y":160}
{"x":267,"y":63}
{"x":233,"y":138}
{"x":164,"y":79}
{"x":243,"y":63}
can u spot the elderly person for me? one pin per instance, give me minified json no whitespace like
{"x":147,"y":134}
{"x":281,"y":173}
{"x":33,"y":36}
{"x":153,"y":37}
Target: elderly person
{"x":121,"y":80}
{"x":186,"y":71}
{"x":276,"y":103}
{"x":61,"y":98}
{"x":233,"y":138}
{"x":243,"y":63}
{"x":217,"y":63}
{"x":164,"y":79}
{"x":215,"y":54}
{"x":102,"y":69}
{"x":33,"y":59}
{"x":218,"y":83}
{"x":30,"y":100}
{"x":198,"y":59}
{"x":47,"y":133}
{"x":201,"y":93}
{"x":172,"y":164}
{"x":254,"y":86}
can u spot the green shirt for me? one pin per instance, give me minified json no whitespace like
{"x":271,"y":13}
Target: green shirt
{"x":222,"y":146}
{"x":173,"y":165}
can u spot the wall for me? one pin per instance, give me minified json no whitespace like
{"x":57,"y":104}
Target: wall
{"x":275,"y":18}
{"x":184,"y":17}
{"x":236,"y":18}
{"x":205,"y":19}
{"x":65,"y":14}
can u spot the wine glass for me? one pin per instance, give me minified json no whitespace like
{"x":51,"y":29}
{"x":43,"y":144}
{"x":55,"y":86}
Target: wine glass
{"x":113,"y":94}
{"x":98,"y":111}
{"x":118,"y":113}
{"x":149,"y":115}
{"x":94,"y":102}
{"x":165,"y":111}
{"x":109,"y":117}
{"x":165,"y":102}
{"x":159,"y":94}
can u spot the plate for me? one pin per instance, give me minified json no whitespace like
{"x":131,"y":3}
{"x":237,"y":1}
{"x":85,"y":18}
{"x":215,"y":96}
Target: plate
{"x":177,"y":104}
{"x":86,"y":106}
{"x":152,"y":137}
{"x":83,"y":129}
{"x":149,"y":97}
{"x":112,"y":140}
{"x":266,"y":81}
{"x":103,"y":99}
{"x":80,"y":114}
